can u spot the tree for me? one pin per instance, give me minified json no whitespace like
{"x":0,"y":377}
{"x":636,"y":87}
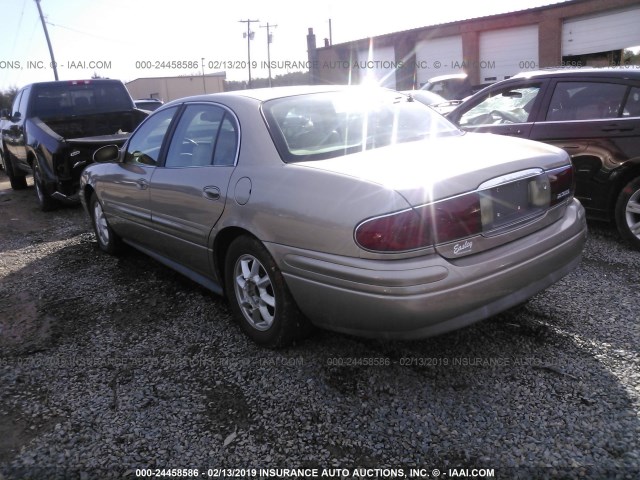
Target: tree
{"x":6,"y":97}
{"x":293,"y":78}
{"x":631,"y":57}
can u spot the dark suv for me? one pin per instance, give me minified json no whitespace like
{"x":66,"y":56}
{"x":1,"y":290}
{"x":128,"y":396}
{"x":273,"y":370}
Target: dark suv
{"x":593,"y":114}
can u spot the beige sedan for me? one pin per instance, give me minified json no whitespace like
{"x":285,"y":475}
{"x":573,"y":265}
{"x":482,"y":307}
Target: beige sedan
{"x":348,"y":208}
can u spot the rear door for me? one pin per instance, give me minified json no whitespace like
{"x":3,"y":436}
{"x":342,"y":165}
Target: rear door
{"x":125,"y":195}
{"x":506,"y":109}
{"x":597,"y":121}
{"x":188,"y":193}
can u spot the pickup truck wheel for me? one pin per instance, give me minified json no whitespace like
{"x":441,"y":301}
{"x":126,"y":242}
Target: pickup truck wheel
{"x":108,"y":240}
{"x":45,"y":201}
{"x":628,"y":212}
{"x":18,"y":182}
{"x":259,"y":296}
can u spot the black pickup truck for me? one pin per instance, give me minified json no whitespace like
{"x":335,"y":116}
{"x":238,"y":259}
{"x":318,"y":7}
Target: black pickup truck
{"x":54,"y":128}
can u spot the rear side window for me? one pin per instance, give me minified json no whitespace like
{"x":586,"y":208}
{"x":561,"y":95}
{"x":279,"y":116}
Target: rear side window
{"x":585,"y":101}
{"x":632,"y":107}
{"x":205,"y":135}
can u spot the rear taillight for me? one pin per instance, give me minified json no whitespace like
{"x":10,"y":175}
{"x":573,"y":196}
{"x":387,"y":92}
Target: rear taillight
{"x":439,"y":222}
{"x":562,"y":184}
{"x":406,"y":230}
{"x":457,"y":217}
{"x":466,"y":215}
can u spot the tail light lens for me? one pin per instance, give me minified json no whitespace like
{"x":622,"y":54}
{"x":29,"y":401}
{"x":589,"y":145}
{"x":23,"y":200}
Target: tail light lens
{"x":406,"y":230}
{"x":466,"y":215}
{"x":439,"y":222}
{"x":562,"y":184}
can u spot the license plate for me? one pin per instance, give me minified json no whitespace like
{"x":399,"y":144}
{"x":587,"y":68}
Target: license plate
{"x":509,"y":203}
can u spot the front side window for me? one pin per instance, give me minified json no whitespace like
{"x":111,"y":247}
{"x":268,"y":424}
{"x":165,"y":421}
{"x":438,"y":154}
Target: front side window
{"x":206,"y":135}
{"x":585,"y":101}
{"x":507,"y":105}
{"x":325,"y":125}
{"x":15,"y":108}
{"x":146,"y":142}
{"x":24,"y":100}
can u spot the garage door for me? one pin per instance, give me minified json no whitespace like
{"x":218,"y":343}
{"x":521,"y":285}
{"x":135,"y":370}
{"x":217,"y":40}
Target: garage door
{"x":439,"y":56}
{"x":503,"y":53}
{"x":601,"y":33}
{"x":378,"y":65}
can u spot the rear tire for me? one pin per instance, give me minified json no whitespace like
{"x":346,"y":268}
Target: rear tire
{"x":628,"y":212}
{"x":108,"y":240}
{"x":45,"y":201}
{"x":259,"y":296}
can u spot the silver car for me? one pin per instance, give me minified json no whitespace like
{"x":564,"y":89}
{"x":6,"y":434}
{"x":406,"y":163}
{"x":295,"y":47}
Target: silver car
{"x":348,"y":208}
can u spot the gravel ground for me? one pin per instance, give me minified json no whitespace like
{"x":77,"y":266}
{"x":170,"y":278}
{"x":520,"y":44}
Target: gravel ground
{"x":111,"y":365}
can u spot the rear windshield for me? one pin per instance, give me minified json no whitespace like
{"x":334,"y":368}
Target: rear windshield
{"x":70,"y":98}
{"x":325,"y":125}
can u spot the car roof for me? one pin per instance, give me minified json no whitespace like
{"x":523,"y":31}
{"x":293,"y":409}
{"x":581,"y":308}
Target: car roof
{"x":633,"y":71}
{"x":451,"y":76}
{"x":264,"y":94}
{"x":87,"y":81}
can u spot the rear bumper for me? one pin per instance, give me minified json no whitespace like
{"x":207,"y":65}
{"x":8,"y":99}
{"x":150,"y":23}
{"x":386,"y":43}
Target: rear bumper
{"x":430,"y":295}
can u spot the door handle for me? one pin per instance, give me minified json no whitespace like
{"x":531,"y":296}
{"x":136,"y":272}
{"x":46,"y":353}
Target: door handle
{"x":142,"y":184}
{"x":211,"y":192}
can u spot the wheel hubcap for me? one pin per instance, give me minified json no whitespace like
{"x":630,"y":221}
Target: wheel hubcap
{"x":102,"y":229}
{"x":254,"y":292}
{"x":632,"y":214}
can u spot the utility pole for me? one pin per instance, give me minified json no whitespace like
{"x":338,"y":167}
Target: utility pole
{"x":249,"y":36}
{"x":269,"y":40}
{"x":46,"y":34}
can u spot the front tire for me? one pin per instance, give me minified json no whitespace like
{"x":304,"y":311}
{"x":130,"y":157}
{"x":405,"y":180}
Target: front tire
{"x":259,"y":296}
{"x":628,"y":212}
{"x":108,"y":240}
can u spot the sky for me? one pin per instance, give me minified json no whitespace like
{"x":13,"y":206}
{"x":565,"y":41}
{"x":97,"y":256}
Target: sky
{"x":129,"y":39}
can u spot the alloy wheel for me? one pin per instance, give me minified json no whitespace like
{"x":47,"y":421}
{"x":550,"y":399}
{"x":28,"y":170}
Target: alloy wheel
{"x":100,"y":221}
{"x":254,"y":292}
{"x":632,"y":213}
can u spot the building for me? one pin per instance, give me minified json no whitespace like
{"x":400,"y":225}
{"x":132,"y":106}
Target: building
{"x":488,"y":49}
{"x":170,"y":88}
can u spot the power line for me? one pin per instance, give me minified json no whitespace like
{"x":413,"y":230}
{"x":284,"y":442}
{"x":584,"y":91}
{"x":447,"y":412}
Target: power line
{"x":15,"y":38}
{"x":85,"y":33}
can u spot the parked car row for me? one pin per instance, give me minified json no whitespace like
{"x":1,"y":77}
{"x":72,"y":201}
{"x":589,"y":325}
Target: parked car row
{"x":364,"y":211}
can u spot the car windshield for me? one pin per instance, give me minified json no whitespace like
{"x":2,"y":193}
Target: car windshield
{"x":325,"y":125}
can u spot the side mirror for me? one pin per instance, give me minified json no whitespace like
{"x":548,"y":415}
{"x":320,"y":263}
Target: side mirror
{"x":108,"y":153}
